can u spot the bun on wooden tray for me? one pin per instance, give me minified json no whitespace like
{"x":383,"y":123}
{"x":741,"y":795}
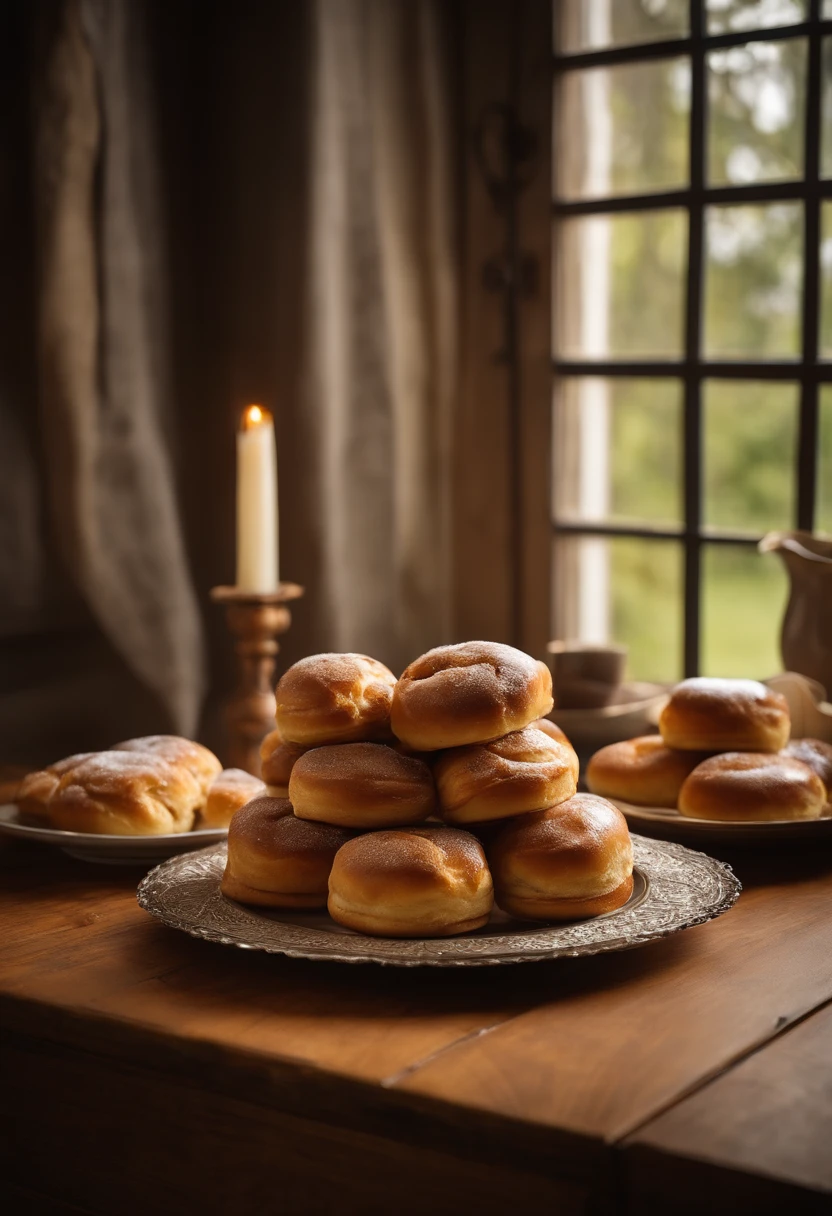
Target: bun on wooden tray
{"x":525,"y":770}
{"x":643,"y":771}
{"x":752,"y":787}
{"x":361,"y":785}
{"x":232,"y":789}
{"x":571,"y":861}
{"x":412,"y":882}
{"x":126,"y":793}
{"x":704,"y":714}
{"x":276,"y":860}
{"x":468,"y":693}
{"x":334,"y":698}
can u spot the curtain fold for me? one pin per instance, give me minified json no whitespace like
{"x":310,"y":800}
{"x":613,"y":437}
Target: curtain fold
{"x":105,"y":399}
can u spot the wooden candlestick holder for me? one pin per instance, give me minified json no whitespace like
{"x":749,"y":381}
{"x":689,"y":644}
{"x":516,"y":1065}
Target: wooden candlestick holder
{"x":256,"y":621}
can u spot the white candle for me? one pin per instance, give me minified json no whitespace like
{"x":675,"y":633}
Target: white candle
{"x":257,"y":565}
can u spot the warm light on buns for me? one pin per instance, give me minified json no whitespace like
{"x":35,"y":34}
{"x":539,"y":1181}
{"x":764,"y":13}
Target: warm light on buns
{"x":554,"y":732}
{"x":470,"y":693}
{"x":818,"y":756}
{"x":643,"y":771}
{"x":126,"y":793}
{"x":334,"y":698}
{"x":570,"y":861}
{"x":232,"y":789}
{"x":361,"y":785}
{"x":198,"y":760}
{"x":420,"y":882}
{"x":276,"y":860}
{"x":277,"y":759}
{"x":710,"y":715}
{"x":752,"y":787}
{"x":36,"y":789}
{"x":524,"y":771}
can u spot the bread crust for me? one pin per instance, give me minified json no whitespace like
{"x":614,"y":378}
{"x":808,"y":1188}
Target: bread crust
{"x":36,"y":789}
{"x":198,"y":760}
{"x":126,"y":793}
{"x":361,"y":785}
{"x":334,"y":698}
{"x":740,"y":787}
{"x":643,"y":771}
{"x":232,"y":789}
{"x":468,"y":693}
{"x":704,"y":714}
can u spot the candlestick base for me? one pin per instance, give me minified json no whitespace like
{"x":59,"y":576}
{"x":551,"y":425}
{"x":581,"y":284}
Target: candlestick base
{"x":256,"y":620}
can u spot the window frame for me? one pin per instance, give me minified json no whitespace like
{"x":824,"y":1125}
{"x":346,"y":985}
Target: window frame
{"x":809,"y":371}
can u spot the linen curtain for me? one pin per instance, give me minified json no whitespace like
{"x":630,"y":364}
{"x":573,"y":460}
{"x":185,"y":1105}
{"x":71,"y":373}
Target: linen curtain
{"x":364,"y":397}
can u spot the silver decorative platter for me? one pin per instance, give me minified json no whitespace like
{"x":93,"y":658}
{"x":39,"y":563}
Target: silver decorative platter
{"x":670,"y":823}
{"x":110,"y":850}
{"x":675,"y":889}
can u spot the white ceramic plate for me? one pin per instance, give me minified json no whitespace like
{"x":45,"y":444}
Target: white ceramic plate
{"x":111,"y":850}
{"x":674,"y":826}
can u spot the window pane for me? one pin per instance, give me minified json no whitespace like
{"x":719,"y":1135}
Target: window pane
{"x":757,"y":97}
{"x":744,"y":595}
{"x":618,"y":450}
{"x":823,"y":518}
{"x":622,"y":130}
{"x":754,"y":267}
{"x":825,"y":335}
{"x":620,"y":285}
{"x":623,"y":590}
{"x":750,"y":439}
{"x":753,"y":14}
{"x":582,"y":25}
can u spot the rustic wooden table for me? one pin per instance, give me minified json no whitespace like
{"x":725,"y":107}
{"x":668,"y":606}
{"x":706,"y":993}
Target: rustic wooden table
{"x":144,"y":1071}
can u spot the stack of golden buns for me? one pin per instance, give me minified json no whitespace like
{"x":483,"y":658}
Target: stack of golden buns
{"x":723,"y":753}
{"x":151,"y":786}
{"x":406,"y":807}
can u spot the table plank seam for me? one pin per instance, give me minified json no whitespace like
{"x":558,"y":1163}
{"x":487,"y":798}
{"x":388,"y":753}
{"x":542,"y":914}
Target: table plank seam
{"x":782,"y":1027}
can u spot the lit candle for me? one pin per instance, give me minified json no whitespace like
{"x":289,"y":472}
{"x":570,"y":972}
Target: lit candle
{"x":256,"y":502}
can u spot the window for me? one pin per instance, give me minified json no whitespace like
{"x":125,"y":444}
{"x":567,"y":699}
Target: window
{"x":692,"y":321}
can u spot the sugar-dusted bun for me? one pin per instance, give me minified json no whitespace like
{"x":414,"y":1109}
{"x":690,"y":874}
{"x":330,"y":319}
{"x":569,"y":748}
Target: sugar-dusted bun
{"x":198,"y":760}
{"x":334,"y":698}
{"x":278,"y":861}
{"x":818,"y":756}
{"x":524,"y":771}
{"x":570,"y":861}
{"x":126,"y":793}
{"x":752,"y":787}
{"x":644,"y":771}
{"x":554,"y":732}
{"x":361,"y":785}
{"x":36,"y":789}
{"x":470,"y":693}
{"x":232,"y":789}
{"x":416,"y":882}
{"x":709,"y":715}
{"x":277,"y":759}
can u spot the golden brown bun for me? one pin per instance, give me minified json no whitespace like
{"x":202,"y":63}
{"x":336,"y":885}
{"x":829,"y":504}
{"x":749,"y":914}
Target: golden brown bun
{"x":752,"y":786}
{"x":232,"y":789}
{"x":416,"y":882}
{"x":818,"y":755}
{"x":643,"y":771}
{"x":554,"y":732}
{"x":725,"y":715}
{"x":276,"y":860}
{"x":524,"y":771}
{"x":470,"y":693}
{"x":36,"y":789}
{"x":126,"y":793}
{"x":334,"y":698}
{"x":198,"y":760}
{"x":570,"y":861}
{"x":277,"y":760}
{"x":361,"y":785}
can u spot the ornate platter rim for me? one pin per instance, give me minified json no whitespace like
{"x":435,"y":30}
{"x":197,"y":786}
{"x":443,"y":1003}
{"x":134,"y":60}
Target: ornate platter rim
{"x":681,"y":888}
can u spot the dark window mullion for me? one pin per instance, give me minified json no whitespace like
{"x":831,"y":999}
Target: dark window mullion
{"x":693,"y":343}
{"x":808,"y":431}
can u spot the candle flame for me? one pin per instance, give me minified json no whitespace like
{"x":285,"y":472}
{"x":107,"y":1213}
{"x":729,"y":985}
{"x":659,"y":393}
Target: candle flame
{"x":255,"y":416}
